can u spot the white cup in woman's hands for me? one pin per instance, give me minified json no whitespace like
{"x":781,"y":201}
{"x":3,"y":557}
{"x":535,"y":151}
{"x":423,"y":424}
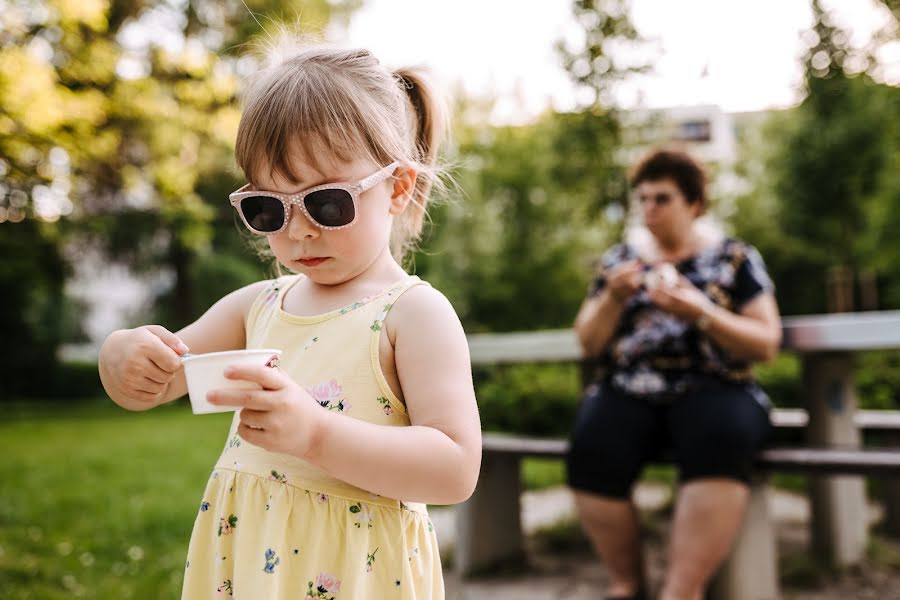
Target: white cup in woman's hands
{"x":206,"y":372}
{"x":663,"y":275}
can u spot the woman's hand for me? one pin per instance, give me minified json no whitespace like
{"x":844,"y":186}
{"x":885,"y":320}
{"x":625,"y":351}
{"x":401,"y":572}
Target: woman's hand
{"x":684,"y":300}
{"x":137,"y":365}
{"x":624,"y":280}
{"x":280,"y":416}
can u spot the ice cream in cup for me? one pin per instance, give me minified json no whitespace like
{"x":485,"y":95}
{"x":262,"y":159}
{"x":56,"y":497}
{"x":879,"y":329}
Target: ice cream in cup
{"x":205,"y":372}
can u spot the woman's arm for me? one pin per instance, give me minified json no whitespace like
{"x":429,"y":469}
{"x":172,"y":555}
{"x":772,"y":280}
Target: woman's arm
{"x":599,"y":315}
{"x":434,"y":460}
{"x":753,"y":334}
{"x":596,"y":322}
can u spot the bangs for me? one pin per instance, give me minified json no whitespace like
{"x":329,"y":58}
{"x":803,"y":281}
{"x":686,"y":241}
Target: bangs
{"x":290,"y":116}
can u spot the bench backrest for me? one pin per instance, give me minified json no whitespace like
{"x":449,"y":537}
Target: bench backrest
{"x":843,"y":332}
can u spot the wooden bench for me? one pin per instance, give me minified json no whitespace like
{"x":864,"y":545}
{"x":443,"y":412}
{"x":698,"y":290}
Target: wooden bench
{"x":489,"y":527}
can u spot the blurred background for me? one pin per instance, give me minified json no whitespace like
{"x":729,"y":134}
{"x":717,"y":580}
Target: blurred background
{"x":117,"y":125}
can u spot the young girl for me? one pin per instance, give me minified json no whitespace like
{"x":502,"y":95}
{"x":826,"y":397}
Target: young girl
{"x":321,"y":488}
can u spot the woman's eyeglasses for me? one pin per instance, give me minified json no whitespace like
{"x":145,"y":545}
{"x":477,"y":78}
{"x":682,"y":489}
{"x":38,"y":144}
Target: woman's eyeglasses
{"x":660,"y":199}
{"x":327,"y":206}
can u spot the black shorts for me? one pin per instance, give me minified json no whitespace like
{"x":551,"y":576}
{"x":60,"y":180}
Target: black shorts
{"x":714,"y":431}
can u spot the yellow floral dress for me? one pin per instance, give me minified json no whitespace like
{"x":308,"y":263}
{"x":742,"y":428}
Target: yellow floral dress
{"x":271,"y":526}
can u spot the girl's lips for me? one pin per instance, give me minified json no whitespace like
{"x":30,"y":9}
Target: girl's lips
{"x":312,"y":262}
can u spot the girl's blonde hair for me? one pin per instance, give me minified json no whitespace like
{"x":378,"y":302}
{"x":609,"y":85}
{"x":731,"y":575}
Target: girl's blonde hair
{"x":330,"y":103}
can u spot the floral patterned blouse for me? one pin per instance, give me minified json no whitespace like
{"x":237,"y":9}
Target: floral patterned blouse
{"x":656,"y":355}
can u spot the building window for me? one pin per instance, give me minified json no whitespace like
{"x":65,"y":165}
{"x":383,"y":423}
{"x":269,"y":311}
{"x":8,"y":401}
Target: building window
{"x":693,"y":131}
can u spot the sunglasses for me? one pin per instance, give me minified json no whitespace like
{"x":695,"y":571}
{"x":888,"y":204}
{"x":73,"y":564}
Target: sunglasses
{"x":327,"y":206}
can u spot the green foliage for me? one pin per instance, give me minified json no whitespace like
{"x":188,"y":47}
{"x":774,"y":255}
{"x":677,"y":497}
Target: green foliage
{"x":514,"y":253}
{"x":878,"y":380}
{"x":112,"y":136}
{"x":825,"y":190}
{"x":540,"y":473}
{"x":528,"y":399}
{"x":594,"y":64}
{"x":34,"y":311}
{"x":70,"y":381}
{"x":781,"y":380}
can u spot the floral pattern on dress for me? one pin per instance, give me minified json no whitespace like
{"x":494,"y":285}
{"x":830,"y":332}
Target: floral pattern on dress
{"x":326,"y":587}
{"x":227,"y":526}
{"x":276,"y":476}
{"x":329,"y":395}
{"x":355,"y":305}
{"x":385,"y":405}
{"x":271,"y":561}
{"x":226,"y":588}
{"x":364,"y":515}
{"x":378,"y":323}
{"x":370,"y":561}
{"x":272,"y":293}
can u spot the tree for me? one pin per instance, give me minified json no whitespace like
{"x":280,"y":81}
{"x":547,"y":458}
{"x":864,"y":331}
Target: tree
{"x":832,"y":172}
{"x":515,"y":253}
{"x":116,"y":133}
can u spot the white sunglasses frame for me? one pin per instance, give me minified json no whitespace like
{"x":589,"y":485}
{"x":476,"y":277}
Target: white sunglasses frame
{"x":287,"y":200}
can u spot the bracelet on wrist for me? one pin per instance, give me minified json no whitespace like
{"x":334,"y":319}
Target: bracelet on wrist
{"x":703,"y":321}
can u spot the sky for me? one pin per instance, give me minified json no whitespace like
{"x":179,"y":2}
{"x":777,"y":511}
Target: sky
{"x":505,"y":48}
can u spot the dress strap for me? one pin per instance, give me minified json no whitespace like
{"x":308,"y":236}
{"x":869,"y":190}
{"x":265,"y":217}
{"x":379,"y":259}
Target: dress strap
{"x":269,"y":298}
{"x":388,"y":399}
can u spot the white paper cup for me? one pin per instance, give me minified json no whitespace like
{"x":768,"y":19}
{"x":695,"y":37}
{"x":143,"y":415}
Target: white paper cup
{"x":205,"y":372}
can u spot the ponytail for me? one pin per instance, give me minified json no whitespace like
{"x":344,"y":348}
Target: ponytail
{"x":429,"y":122}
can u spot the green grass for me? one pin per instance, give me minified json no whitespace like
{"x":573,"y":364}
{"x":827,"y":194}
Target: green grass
{"x":98,"y":502}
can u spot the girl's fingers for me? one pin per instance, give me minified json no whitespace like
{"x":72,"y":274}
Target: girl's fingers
{"x":156,"y":374}
{"x":267,"y":377}
{"x":259,"y":400}
{"x":145,"y":396}
{"x":254,"y":419}
{"x":149,"y":386}
{"x":163,"y":357}
{"x":249,"y":434}
{"x":168,"y":338}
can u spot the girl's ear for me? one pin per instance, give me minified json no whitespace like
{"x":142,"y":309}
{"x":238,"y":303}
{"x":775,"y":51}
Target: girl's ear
{"x":404,"y":185}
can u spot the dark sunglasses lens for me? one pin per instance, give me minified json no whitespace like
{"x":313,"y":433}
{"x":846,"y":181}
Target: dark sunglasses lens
{"x":263,"y":213}
{"x":331,"y":208}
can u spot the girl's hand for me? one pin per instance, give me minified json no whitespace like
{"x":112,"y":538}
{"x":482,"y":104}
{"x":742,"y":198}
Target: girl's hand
{"x":683,"y":300}
{"x":137,"y":365}
{"x":624,"y":280}
{"x":280,"y":416}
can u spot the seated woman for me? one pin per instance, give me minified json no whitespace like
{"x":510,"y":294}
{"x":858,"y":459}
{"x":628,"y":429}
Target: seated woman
{"x":675,"y":317}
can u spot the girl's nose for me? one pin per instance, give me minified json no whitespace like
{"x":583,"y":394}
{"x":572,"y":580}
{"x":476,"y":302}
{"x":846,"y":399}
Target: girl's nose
{"x":300,"y":227}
